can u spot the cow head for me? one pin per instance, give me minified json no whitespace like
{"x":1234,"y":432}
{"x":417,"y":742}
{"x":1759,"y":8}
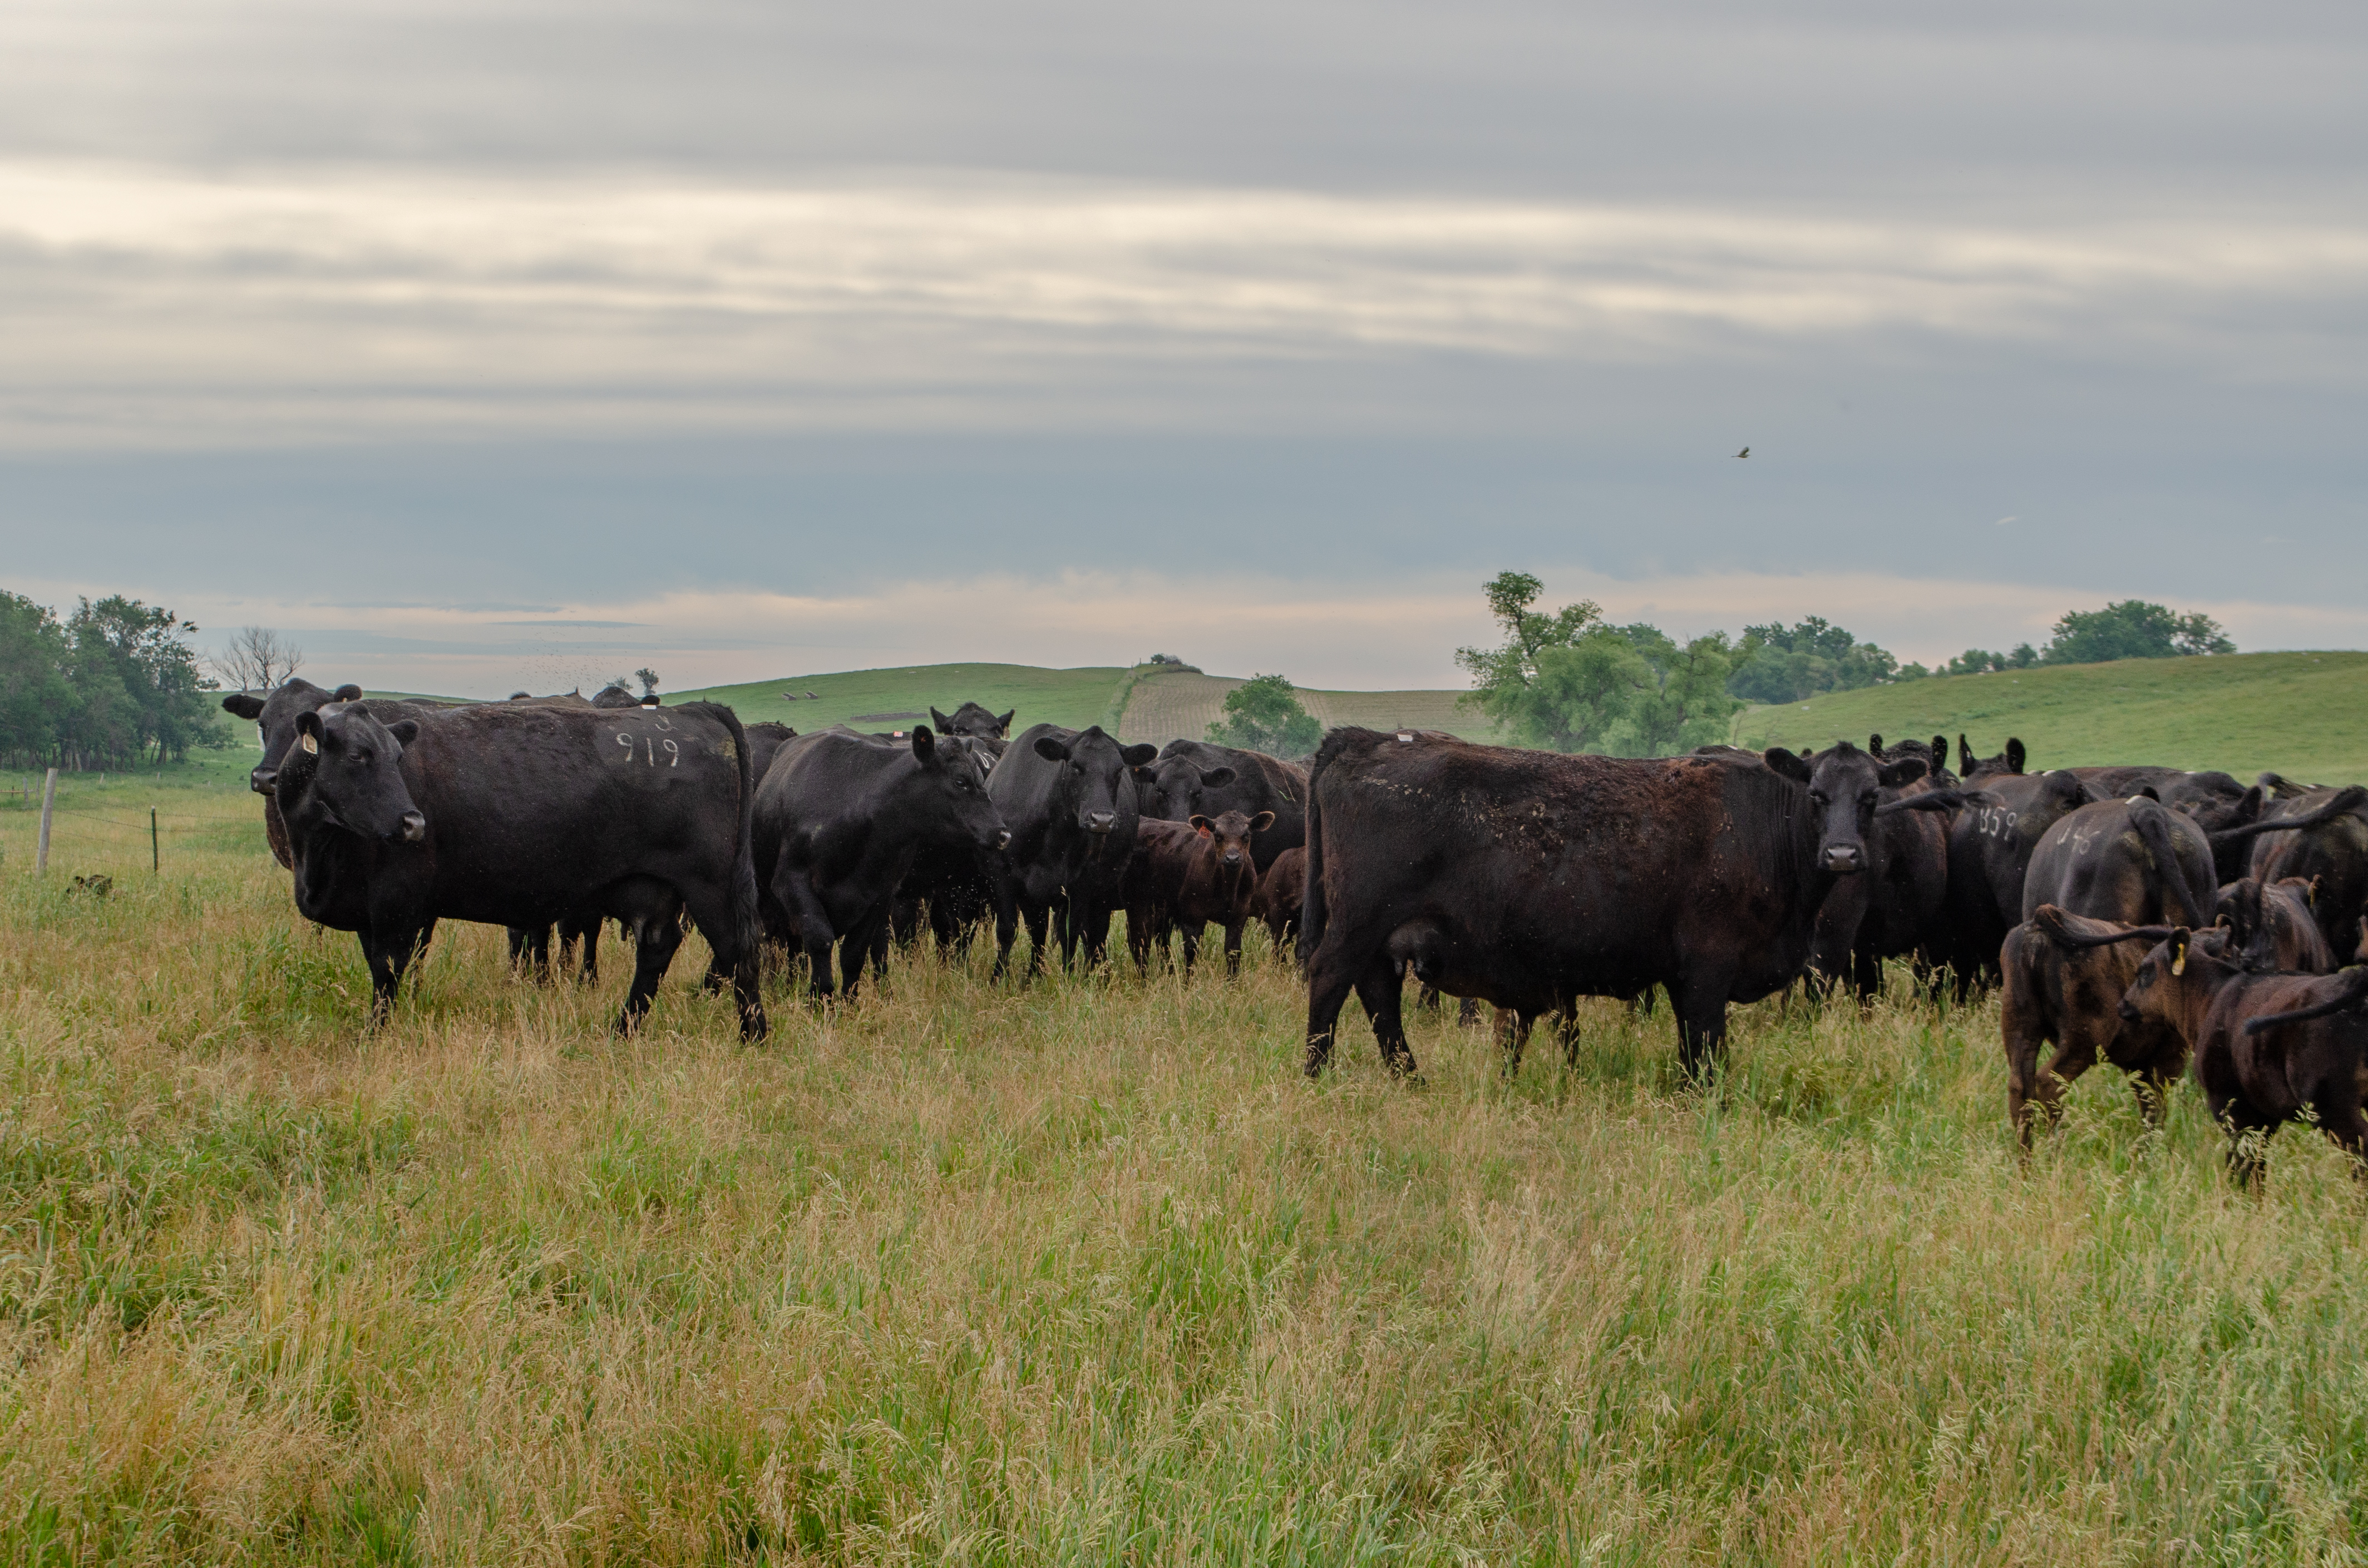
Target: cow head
{"x":971,"y":719}
{"x":948,"y":795}
{"x":275,"y":714}
{"x":343,"y":772}
{"x":1846,"y":786}
{"x":1970,"y":767}
{"x":1173,"y":787}
{"x":1229,"y":836}
{"x":2169,"y":979}
{"x":1095,"y":769}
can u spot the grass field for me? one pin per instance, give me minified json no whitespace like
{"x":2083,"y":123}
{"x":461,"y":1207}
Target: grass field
{"x":2303,"y":714}
{"x":1088,"y":1273}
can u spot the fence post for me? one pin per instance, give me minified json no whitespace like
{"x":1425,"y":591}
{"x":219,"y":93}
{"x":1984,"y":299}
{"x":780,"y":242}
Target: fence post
{"x":156,"y":856}
{"x":48,"y":800}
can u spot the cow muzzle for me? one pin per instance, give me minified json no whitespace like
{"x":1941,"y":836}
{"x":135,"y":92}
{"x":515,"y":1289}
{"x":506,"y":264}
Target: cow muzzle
{"x":415,"y":827}
{"x":262,"y":780}
{"x":1100,"y":821}
{"x":1845,"y":860}
{"x":1002,"y":839}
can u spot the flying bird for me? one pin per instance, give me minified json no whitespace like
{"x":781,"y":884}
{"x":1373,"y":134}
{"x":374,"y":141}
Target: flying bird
{"x":1745,"y":453}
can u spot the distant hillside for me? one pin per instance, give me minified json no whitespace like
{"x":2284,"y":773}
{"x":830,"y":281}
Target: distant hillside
{"x":864,"y":698}
{"x":2303,"y":714}
{"x":1166,"y":706}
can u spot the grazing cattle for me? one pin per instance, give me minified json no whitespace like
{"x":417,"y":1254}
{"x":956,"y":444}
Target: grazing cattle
{"x":1528,"y":880}
{"x":2276,"y":932}
{"x":1972,"y":769}
{"x":2136,"y":862}
{"x":1068,"y":797}
{"x":1895,"y":907}
{"x":1196,"y":779}
{"x":1990,"y":845}
{"x":275,"y":713}
{"x":971,"y":719}
{"x":521,"y":815}
{"x":1279,"y":894}
{"x":1187,"y":874}
{"x":839,"y":820}
{"x":2064,"y":979}
{"x":2324,"y":840}
{"x":2269,"y":1048}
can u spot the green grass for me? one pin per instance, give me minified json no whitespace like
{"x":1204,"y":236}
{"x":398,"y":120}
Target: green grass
{"x":1072,"y":698}
{"x":1088,"y":1273}
{"x":2302,"y":714}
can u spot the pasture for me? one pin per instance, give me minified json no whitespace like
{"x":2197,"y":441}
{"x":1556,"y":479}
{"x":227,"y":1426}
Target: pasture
{"x":2298,"y":713}
{"x":1089,"y":1272}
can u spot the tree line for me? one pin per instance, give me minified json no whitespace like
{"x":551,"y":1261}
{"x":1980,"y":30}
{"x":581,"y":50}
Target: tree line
{"x":1572,"y":681}
{"x":114,"y":684}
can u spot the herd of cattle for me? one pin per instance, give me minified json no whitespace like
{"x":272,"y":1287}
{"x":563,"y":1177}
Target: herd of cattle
{"x":2145,"y":915}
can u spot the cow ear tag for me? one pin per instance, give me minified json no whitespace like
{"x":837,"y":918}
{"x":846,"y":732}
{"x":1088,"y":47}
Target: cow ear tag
{"x":310,"y":744}
{"x":1405,"y":739}
{"x":2179,"y":958}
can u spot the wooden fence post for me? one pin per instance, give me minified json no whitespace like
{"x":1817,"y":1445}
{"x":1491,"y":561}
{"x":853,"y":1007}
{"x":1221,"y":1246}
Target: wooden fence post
{"x":49,"y":800}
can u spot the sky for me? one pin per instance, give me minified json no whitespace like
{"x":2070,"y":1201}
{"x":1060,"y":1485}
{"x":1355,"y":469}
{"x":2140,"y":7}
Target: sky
{"x":506,"y":344}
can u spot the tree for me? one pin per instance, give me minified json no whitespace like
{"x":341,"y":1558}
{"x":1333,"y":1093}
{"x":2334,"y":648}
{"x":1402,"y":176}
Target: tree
{"x":1263,"y":714}
{"x":1582,"y":691}
{"x":2132,"y":628}
{"x":136,"y":684}
{"x":257,"y":659}
{"x":1787,"y":663}
{"x":1686,"y":703}
{"x":1504,"y":678}
{"x":649,"y":680}
{"x":35,"y":703}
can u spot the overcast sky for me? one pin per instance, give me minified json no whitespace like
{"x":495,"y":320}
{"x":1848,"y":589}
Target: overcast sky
{"x":496,"y":343}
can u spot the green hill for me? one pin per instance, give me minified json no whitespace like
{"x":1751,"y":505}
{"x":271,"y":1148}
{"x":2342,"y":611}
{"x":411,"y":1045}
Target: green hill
{"x":868,"y":699}
{"x":2302,"y":714}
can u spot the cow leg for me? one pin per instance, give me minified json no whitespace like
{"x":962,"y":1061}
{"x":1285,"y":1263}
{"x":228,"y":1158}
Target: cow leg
{"x":1379,"y":989}
{"x":658,"y":932}
{"x":2248,"y":1136}
{"x":1467,"y":1013}
{"x":1699,"y":1001}
{"x":812,"y":919}
{"x":1425,"y":999}
{"x":1512,"y":1038}
{"x":1006,"y":927}
{"x":1233,"y":949}
{"x":1566,"y":1035}
{"x":1094,"y":925}
{"x":741,"y":963}
{"x":1039,"y":918}
{"x":2340,"y":1119}
{"x":1331,"y":974}
{"x":1866,"y":971}
{"x":1191,"y":934}
{"x":530,"y":951}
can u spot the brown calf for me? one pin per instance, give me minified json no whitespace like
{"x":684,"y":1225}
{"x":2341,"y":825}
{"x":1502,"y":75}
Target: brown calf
{"x":2267,"y":1047}
{"x":1188,"y":873}
{"x":2065,"y":977}
{"x":2276,"y":929}
{"x":1278,"y":895}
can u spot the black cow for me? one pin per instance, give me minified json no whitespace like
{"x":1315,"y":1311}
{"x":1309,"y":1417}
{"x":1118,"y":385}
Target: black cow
{"x":2276,"y":932}
{"x":522,"y":815}
{"x":275,"y":713}
{"x":973,"y":719}
{"x":2325,"y":841}
{"x":615,"y":695}
{"x":1975,"y":770}
{"x":1068,"y":797}
{"x":1990,"y":844}
{"x":1528,"y":880}
{"x":1896,"y":907}
{"x":951,"y":887}
{"x":2136,"y":862}
{"x":1195,"y":779}
{"x":765,"y":738}
{"x":840,"y":818}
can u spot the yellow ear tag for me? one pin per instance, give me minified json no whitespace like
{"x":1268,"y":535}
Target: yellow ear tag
{"x":2179,"y":960}
{"x":310,"y":744}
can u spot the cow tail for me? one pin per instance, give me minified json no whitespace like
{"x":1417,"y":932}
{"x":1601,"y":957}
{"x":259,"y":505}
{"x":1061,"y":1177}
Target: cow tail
{"x":747,"y":929}
{"x":2153,"y":823}
{"x":1310,"y":892}
{"x":2353,"y":992}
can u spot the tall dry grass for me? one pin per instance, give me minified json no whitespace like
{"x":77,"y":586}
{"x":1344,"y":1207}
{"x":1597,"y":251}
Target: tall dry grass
{"x":1088,"y":1273}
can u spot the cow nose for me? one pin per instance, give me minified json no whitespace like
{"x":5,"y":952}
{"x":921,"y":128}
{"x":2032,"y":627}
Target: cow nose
{"x":415,"y":827}
{"x":1842,"y":859}
{"x":1233,"y":856}
{"x":1100,"y":821}
{"x":262,"y":780}
{"x":1003,"y":839}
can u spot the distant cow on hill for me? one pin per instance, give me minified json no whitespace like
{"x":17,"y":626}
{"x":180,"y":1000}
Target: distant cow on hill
{"x":1527,"y":878}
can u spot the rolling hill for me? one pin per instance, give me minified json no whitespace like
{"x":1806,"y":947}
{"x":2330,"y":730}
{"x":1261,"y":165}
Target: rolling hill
{"x":2303,"y":714}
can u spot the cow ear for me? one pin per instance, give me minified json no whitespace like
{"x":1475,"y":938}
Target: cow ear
{"x":1217,"y":778}
{"x":1136,"y":756}
{"x":939,"y":719}
{"x":2310,"y":894}
{"x":1051,"y":749}
{"x":1874,"y":745}
{"x":405,"y":731}
{"x":309,"y":731}
{"x":1965,"y":755}
{"x":1003,"y":726}
{"x":1907,"y":770}
{"x":1779,"y":760}
{"x":246,"y":705}
{"x":925,"y":745}
{"x":349,"y":692}
{"x":1199,"y":826}
{"x":2014,"y":754}
{"x":1940,"y":751}
{"x":1261,"y":822}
